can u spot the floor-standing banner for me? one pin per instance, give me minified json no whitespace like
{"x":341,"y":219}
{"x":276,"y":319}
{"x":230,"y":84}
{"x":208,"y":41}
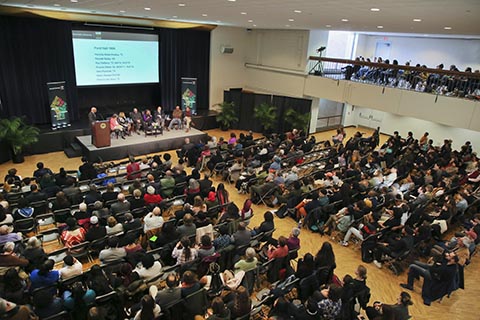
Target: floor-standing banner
{"x":189,"y":94}
{"x":58,"y":104}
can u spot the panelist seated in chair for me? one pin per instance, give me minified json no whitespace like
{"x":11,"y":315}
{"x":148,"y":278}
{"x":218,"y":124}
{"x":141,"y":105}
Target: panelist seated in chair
{"x":176,"y":118}
{"x":136,"y":117}
{"x":116,"y":127}
{"x":159,"y":117}
{"x":149,"y":123}
{"x":125,"y":122}
{"x":187,"y":118}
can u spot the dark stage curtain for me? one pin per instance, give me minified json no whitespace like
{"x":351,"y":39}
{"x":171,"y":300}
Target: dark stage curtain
{"x":245,"y":103}
{"x":32,"y":53}
{"x":184,"y":53}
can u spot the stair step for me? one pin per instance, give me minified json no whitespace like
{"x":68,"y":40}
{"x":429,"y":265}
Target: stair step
{"x":71,"y":153}
{"x":75,"y":146}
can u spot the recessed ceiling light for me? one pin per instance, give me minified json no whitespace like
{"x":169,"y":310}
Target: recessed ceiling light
{"x":232,"y":0}
{"x":345,"y":20}
{"x":204,"y":14}
{"x":147,"y":8}
{"x":291,"y":20}
{"x":328,"y":26}
{"x":122,"y":11}
{"x":379,"y":27}
{"x":374,"y":9}
{"x":250,"y":20}
{"x":254,"y":25}
{"x":56,"y":5}
{"x":218,"y":21}
{"x":243,"y":13}
{"x":417,"y":20}
{"x":447,"y":28}
{"x":287,"y":25}
{"x":181,"y":4}
{"x":174,"y":17}
{"x":297,"y":11}
{"x":73,"y":1}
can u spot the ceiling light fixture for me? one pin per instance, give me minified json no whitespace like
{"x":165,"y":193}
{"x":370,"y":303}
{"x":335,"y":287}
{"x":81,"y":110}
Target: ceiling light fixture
{"x":287,"y":25}
{"x":250,"y":20}
{"x":174,"y":17}
{"x":243,"y":13}
{"x":56,"y":5}
{"x":254,"y":25}
{"x":291,"y":20}
{"x":417,"y":20}
{"x":379,"y":27}
{"x":204,"y":14}
{"x":328,"y":25}
{"x":122,"y":11}
{"x":181,"y":4}
{"x":232,"y":0}
{"x":447,"y":28}
{"x":74,"y":1}
{"x":147,"y":9}
{"x":374,"y":9}
{"x":344,"y":20}
{"x":297,"y":11}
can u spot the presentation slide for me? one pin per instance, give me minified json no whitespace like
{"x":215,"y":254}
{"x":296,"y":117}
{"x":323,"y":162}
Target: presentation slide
{"x":110,"y":58}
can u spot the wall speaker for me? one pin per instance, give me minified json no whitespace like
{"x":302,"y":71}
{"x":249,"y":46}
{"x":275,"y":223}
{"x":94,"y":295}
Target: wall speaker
{"x":227,"y":50}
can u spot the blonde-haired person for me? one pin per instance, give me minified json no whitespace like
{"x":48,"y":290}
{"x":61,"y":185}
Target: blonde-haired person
{"x":113,"y":227}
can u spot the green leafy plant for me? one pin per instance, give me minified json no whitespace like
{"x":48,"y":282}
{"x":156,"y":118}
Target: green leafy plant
{"x":297,"y":120}
{"x":227,"y":116}
{"x":266,"y":114}
{"x":17,"y":134}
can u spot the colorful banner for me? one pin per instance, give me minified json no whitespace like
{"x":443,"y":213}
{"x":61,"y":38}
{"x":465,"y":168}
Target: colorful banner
{"x":189,"y":94}
{"x":58,"y":105}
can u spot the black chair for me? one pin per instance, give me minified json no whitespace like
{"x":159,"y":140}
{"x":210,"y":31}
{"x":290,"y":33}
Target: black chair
{"x":62,"y":215}
{"x":45,"y":219}
{"x":307,"y":286}
{"x":80,"y":251}
{"x":195,"y":304}
{"x":51,"y":235}
{"x":25,"y":226}
{"x":39,"y":207}
{"x":58,"y":255}
{"x":139,"y":212}
{"x":64,"y":315}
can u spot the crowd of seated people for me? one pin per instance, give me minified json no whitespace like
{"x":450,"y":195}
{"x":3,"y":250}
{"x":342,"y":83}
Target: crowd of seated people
{"x":405,"y":195}
{"x":425,"y":81}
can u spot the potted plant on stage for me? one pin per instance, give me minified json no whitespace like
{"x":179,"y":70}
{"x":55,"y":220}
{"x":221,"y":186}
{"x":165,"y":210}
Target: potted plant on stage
{"x":17,"y":134}
{"x":267,"y":115}
{"x":227,"y":117}
{"x":297,"y":120}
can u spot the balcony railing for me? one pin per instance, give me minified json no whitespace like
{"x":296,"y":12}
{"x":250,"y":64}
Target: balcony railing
{"x":436,"y":81}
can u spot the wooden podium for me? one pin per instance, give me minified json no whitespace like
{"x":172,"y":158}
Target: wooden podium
{"x":101,"y":134}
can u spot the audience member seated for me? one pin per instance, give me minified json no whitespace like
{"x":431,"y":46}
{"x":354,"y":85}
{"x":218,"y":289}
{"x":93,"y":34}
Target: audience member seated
{"x":206,"y":248}
{"x":34,"y":253}
{"x":71,"y":268}
{"x":9,"y":259}
{"x":112,"y":252}
{"x":151,"y":198}
{"x":153,"y":220}
{"x":113,"y":226}
{"x":149,"y":268}
{"x":74,"y":234}
{"x":188,"y":228}
{"x":183,"y":251}
{"x":249,"y":262}
{"x":44,"y":276}
{"x":171,"y":293}
{"x":96,"y":231}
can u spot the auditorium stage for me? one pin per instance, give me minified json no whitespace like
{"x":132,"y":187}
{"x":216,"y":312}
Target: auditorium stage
{"x":139,"y":144}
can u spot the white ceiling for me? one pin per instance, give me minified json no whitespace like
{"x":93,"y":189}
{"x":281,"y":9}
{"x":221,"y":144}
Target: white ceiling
{"x":462,"y":16}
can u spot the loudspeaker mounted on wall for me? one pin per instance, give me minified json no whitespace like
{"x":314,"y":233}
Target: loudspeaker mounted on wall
{"x":226,"y":49}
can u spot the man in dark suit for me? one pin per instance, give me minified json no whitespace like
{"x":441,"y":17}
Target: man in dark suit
{"x":92,"y":116}
{"x":136,"y":117}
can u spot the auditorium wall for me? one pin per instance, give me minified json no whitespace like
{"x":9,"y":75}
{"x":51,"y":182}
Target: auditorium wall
{"x":227,"y":70}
